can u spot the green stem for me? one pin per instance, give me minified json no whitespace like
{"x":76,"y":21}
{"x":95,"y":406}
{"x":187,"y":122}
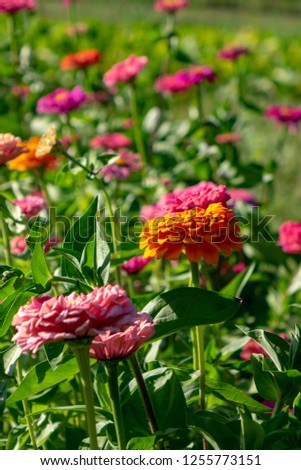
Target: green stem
{"x":136,"y":371}
{"x":43,"y":185}
{"x":13,"y":44}
{"x":199,"y":101}
{"x":137,"y":125}
{"x":131,"y":287}
{"x":81,"y":352}
{"x":5,"y":236}
{"x":277,"y":408}
{"x":26,"y":409}
{"x":111,"y":369}
{"x":70,"y":280}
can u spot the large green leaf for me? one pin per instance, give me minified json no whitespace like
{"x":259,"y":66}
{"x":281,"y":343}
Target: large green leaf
{"x":187,"y":307}
{"x":236,"y":286}
{"x":11,"y":305}
{"x":40,"y":272}
{"x":295,"y":349}
{"x":264,"y":379}
{"x":252,"y":433}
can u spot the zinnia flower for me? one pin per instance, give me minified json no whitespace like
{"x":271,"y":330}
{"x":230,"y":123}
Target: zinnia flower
{"x":135,"y":264}
{"x":290,"y":237}
{"x":172,"y":83}
{"x":31,"y":205}
{"x":18,"y":245}
{"x":62,"y":101}
{"x":49,"y":319}
{"x":170,"y":5}
{"x":80,"y":60}
{"x":21,"y":91}
{"x":239,"y":194}
{"x":196,"y":74}
{"x":111,"y":141}
{"x":122,"y":166}
{"x":233,"y":52}
{"x":13,"y":6}
{"x":228,"y":138}
{"x":29,"y":160}
{"x":199,"y":233}
{"x":125,"y":71}
{"x":111,"y":345}
{"x":288,"y":115}
{"x":10,"y":147}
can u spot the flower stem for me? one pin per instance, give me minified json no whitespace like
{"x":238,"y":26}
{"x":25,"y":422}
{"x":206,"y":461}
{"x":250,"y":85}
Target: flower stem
{"x":5,"y":236}
{"x":199,"y":101}
{"x":26,"y":409}
{"x":111,"y":369}
{"x":137,"y":125}
{"x":277,"y":408}
{"x":136,"y":371}
{"x":81,"y":352}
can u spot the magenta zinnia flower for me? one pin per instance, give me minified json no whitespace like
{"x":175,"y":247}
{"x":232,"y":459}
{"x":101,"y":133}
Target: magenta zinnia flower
{"x":10,"y":147}
{"x":113,"y":141}
{"x":233,"y":52}
{"x":13,"y":6}
{"x":18,"y":245}
{"x":172,"y":83}
{"x":125,"y":71}
{"x":62,"y":101}
{"x":239,"y":194}
{"x":135,"y":264}
{"x":111,"y":345}
{"x":49,"y":319}
{"x":170,"y":5}
{"x":126,"y":163}
{"x":288,"y":115}
{"x":290,"y":237}
{"x":31,"y":205}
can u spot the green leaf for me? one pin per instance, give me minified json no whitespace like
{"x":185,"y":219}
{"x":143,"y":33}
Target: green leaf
{"x":264,"y":379}
{"x":187,"y":307}
{"x":10,"y":358}
{"x":95,"y":260}
{"x":295,"y":349}
{"x":11,"y":286}
{"x":55,"y":353}
{"x":38,"y":234}
{"x":71,"y":257}
{"x":236,"y":286}
{"x":40,"y":272}
{"x":41,"y":377}
{"x":289,"y":383}
{"x":252,"y":434}
{"x":9,"y":210}
{"x":11,"y":305}
{"x":142,"y":443}
{"x":235,"y":396}
{"x":276,"y":347}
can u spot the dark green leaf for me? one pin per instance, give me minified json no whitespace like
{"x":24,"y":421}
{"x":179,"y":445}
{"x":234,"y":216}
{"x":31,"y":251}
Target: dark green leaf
{"x":142,"y":443}
{"x":265,"y":381}
{"x":236,"y":286}
{"x":252,"y":433}
{"x":40,"y":272}
{"x":295,"y":349}
{"x":11,"y":305}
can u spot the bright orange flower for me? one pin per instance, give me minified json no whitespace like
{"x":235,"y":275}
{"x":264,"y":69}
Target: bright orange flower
{"x":81,"y":59}
{"x":29,"y":160}
{"x":199,"y":233}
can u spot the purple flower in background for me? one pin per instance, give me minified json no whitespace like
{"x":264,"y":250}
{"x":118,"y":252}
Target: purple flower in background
{"x":290,"y":237}
{"x":13,"y":6}
{"x":62,"y":101}
{"x":233,"y":52}
{"x":287,"y":115}
{"x":135,"y":264}
{"x":239,"y":194}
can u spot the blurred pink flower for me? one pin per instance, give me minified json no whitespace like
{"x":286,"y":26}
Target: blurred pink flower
{"x":112,"y":141}
{"x":199,"y":195}
{"x":18,"y":245}
{"x":31,"y":205}
{"x":77,"y":29}
{"x":62,"y":101}
{"x":67,"y":3}
{"x":173,"y":83}
{"x":111,"y":345}
{"x":52,"y":241}
{"x":233,"y":52}
{"x":125,"y":71}
{"x":239,"y":194}
{"x":196,"y":74}
{"x":228,"y":138}
{"x":10,"y":147}
{"x":75,"y":316}
{"x":288,"y":115}
{"x":290,"y":237}
{"x":13,"y":6}
{"x":20,"y":90}
{"x":135,"y":264}
{"x":126,"y":163}
{"x":170,"y":5}
{"x":252,"y":347}
{"x":238,"y":268}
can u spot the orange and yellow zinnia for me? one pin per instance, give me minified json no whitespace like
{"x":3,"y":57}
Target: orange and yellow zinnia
{"x":198,"y":233}
{"x":29,"y":160}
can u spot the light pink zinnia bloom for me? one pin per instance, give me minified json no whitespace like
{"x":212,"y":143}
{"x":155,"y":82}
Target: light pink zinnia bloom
{"x":287,"y":115}
{"x":13,"y":6}
{"x":127,"y":163}
{"x":31,"y":205}
{"x":62,"y":101}
{"x":10,"y":147}
{"x":113,"y":141}
{"x":170,"y":6}
{"x":135,"y":264}
{"x":125,"y":71}
{"x":290,"y":237}
{"x":111,"y":345}
{"x":239,"y":194}
{"x":228,"y":138}
{"x":50,"y":319}
{"x":18,"y":245}
{"x":233,"y":52}
{"x":199,"y":195}
{"x":173,"y":83}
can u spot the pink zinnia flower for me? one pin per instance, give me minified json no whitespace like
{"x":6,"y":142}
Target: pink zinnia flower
{"x":18,"y":245}
{"x":288,"y":115}
{"x":31,"y":205}
{"x":196,"y":74}
{"x":135,"y":264}
{"x":238,"y":194}
{"x":13,"y":6}
{"x":62,"y":101}
{"x":228,"y":138}
{"x":111,"y":345}
{"x":10,"y":147}
{"x":125,"y":71}
{"x":290,"y":237}
{"x":67,"y":3}
{"x":170,"y":5}
{"x":112,"y":141}
{"x":173,"y":83}
{"x":233,"y":52}
{"x":121,"y":168}
{"x":20,"y":90}
{"x":238,"y":268}
{"x":50,"y":319}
